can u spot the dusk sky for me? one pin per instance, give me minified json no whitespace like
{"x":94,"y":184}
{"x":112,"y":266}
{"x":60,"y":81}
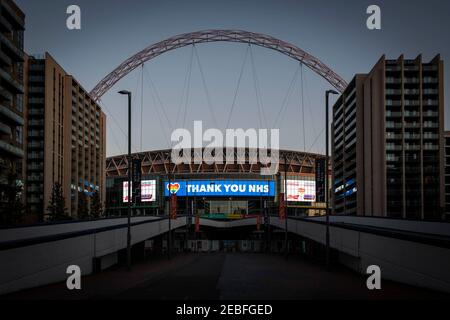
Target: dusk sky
{"x":333,"y":31}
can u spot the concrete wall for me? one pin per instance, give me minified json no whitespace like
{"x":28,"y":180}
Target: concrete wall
{"x":404,"y":261}
{"x":45,"y":263}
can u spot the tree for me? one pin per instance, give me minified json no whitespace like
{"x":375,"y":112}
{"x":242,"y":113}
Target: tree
{"x":56,"y":209}
{"x":11,"y":208}
{"x":83,"y":208}
{"x":96,"y":205}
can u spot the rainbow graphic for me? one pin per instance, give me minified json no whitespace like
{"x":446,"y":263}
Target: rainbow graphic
{"x":173,"y":188}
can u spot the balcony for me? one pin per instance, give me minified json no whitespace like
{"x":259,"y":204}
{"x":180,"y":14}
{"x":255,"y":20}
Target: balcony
{"x":430,"y":102}
{"x":430,"y":80}
{"x":6,"y":95}
{"x":412,"y":125}
{"x":392,"y":125}
{"x":392,"y":159}
{"x":393,"y":92}
{"x":34,"y":200}
{"x":430,"y":136}
{"x":411,"y":114}
{"x":13,"y":83}
{"x":5,"y":129}
{"x":35,"y":189}
{"x":412,"y":68}
{"x":35,"y":122}
{"x":393,"y":81}
{"x":431,"y":125}
{"x":18,"y":21}
{"x":412,"y":91}
{"x":17,"y":54}
{"x":35,"y":145}
{"x":11,"y":115}
{"x":412,"y":136}
{"x":36,"y":112}
{"x":391,"y":114}
{"x":412,"y":103}
{"x":390,"y":147}
{"x":5,"y":59}
{"x":12,"y":150}
{"x":393,"y":136}
{"x":393,"y":68}
{"x":412,"y":147}
{"x":393,"y":103}
{"x":430,"y":91}
{"x":35,"y":167}
{"x":431,"y":114}
{"x":412,"y":80}
{"x":430,"y":147}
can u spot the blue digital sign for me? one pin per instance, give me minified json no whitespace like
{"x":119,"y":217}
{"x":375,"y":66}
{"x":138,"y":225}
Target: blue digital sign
{"x":220,"y":188}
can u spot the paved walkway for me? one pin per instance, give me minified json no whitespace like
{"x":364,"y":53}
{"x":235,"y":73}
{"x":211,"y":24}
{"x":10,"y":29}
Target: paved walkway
{"x":227,"y":276}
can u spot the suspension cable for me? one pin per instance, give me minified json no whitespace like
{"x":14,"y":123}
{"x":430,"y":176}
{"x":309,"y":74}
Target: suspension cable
{"x":261,"y":113}
{"x":155,"y":90}
{"x":308,"y":105}
{"x":115,"y":140}
{"x":315,"y":140}
{"x":188,"y":68}
{"x":238,"y":86}
{"x":158,"y":104}
{"x":287,"y":97}
{"x":188,"y":88}
{"x":158,"y":114}
{"x":103,"y":106}
{"x":208,"y":97}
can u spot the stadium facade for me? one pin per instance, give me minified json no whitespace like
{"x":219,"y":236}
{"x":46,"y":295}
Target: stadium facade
{"x":221,"y":191}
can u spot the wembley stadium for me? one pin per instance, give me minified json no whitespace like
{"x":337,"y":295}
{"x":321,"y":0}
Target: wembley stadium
{"x":218,"y":191}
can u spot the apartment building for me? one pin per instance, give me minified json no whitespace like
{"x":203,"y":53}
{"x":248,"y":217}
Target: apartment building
{"x":388,"y":141}
{"x":65,"y":138}
{"x":12,"y":57}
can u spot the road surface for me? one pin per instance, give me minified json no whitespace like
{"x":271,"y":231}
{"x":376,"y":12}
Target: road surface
{"x":224,"y":276}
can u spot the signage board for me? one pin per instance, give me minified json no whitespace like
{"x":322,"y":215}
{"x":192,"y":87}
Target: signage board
{"x":220,"y":188}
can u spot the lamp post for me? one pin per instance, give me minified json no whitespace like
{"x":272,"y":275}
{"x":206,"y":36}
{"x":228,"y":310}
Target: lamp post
{"x":128,"y":93}
{"x":327,"y":191}
{"x":286,"y":240}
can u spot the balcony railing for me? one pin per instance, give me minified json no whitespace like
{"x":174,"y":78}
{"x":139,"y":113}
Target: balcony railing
{"x":5,"y":129}
{"x":430,"y":102}
{"x":431,"y":147}
{"x":12,"y":48}
{"x":18,"y":20}
{"x":430,"y":125}
{"x":11,"y":115}
{"x":9,"y":79}
{"x":13,"y":150}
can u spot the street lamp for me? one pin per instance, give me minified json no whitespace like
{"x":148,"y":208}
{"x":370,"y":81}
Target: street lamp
{"x":169,"y":235}
{"x":327,"y":191}
{"x":128,"y":93}
{"x":286,"y":240}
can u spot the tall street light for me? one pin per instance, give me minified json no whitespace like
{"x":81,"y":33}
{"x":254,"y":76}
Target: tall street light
{"x":128,"y":93}
{"x":169,"y":235}
{"x":286,"y":241}
{"x":327,"y":191}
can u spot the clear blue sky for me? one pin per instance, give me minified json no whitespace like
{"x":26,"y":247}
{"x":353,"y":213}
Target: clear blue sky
{"x":333,"y":31}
